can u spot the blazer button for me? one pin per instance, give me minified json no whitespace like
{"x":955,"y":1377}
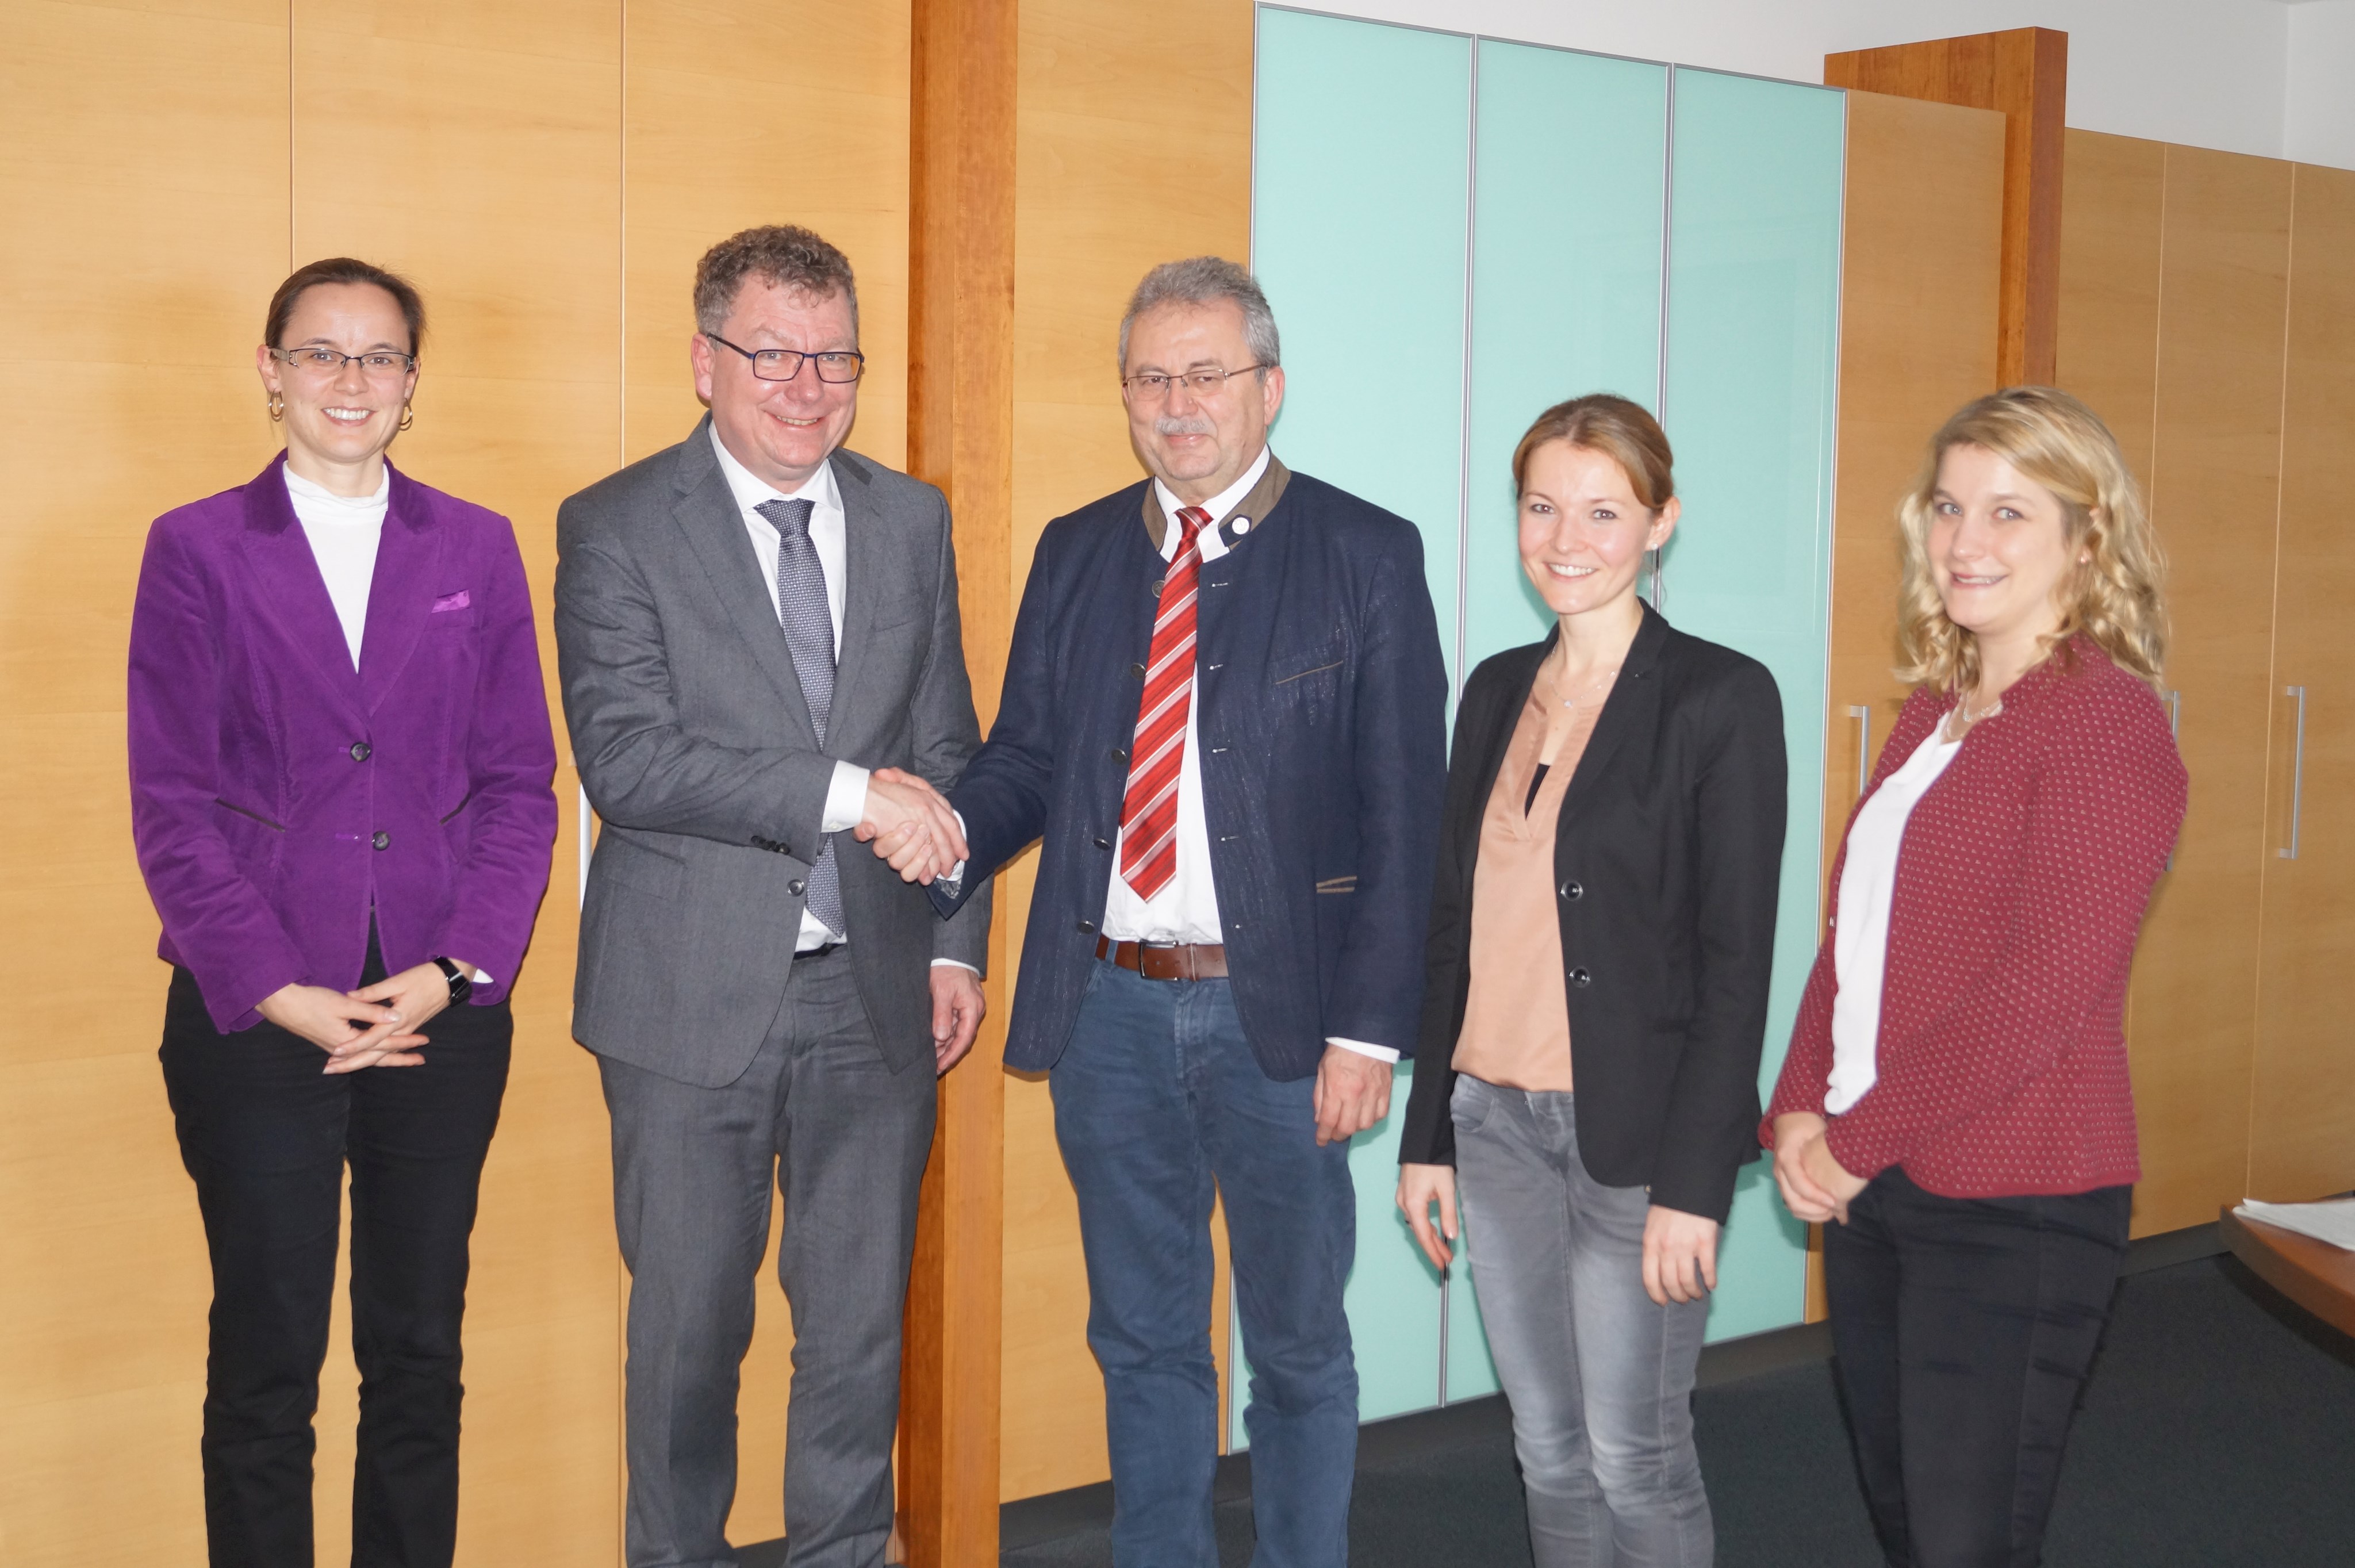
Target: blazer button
{"x":1571,"y":890}
{"x":1137,"y":670}
{"x":1581,"y":978}
{"x":381,"y":839}
{"x":1120,"y":753}
{"x":1103,"y":843}
{"x":1087,"y":927}
{"x":794,"y":887}
{"x":359,"y":750}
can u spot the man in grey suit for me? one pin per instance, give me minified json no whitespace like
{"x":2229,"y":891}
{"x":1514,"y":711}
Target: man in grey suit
{"x":746,"y":625}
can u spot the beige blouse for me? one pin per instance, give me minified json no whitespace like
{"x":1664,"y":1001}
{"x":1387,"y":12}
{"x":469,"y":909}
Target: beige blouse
{"x":1517,"y":1016}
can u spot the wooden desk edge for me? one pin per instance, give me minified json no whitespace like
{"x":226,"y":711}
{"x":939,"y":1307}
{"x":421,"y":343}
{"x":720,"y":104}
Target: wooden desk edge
{"x":2317,"y":1276}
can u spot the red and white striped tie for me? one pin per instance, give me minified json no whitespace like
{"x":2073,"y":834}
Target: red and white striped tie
{"x":1148,"y":813}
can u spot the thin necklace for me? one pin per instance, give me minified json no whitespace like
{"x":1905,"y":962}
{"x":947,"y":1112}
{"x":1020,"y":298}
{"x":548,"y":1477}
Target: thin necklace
{"x":1964,"y":718}
{"x":1597,"y":679}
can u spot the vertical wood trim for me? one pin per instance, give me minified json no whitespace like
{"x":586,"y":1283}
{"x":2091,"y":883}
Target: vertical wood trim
{"x":2024,"y":73}
{"x":963,"y":59}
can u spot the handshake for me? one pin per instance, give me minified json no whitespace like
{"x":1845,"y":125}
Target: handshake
{"x":911,"y":825}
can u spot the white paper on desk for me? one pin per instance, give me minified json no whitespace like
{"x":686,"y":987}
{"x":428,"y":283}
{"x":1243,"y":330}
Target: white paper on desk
{"x":2333,"y":1222}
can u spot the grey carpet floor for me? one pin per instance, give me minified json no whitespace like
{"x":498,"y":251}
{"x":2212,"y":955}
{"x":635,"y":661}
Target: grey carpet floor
{"x":2217,"y":1429}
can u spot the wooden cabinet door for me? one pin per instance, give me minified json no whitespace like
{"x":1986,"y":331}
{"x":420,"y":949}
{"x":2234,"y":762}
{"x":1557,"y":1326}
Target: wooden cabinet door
{"x":2302,"y":1113}
{"x":2215,"y":485}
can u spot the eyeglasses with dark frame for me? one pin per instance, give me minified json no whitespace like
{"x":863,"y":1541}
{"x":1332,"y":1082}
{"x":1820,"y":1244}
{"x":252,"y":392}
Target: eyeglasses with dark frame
{"x":379,"y":362}
{"x":834,"y":366}
{"x":1203,"y":383}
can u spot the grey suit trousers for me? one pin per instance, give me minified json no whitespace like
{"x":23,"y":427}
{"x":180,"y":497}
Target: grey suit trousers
{"x":846,"y":1139}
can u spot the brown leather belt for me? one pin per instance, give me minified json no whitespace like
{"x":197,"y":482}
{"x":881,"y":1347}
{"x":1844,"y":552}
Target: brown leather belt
{"x":1156,"y":961}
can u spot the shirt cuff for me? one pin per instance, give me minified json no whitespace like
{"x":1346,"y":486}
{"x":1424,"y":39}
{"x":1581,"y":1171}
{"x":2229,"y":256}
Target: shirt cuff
{"x":1378,"y":1053}
{"x":955,"y":963}
{"x":955,"y":876}
{"x":845,"y":799}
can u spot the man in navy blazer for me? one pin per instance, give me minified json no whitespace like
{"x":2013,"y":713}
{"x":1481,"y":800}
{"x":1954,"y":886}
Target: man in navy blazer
{"x":1223,"y":715}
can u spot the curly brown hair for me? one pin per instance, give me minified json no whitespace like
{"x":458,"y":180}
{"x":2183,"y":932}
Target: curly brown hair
{"x":782,"y":253}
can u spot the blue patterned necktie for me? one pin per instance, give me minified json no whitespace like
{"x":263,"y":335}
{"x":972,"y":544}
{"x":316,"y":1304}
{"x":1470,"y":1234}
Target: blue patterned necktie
{"x":809,"y":633}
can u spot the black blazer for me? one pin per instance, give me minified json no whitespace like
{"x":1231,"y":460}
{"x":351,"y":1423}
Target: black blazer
{"x":1668,"y":857}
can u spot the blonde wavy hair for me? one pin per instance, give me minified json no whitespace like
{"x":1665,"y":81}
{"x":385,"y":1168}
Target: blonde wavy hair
{"x":2112,"y":596}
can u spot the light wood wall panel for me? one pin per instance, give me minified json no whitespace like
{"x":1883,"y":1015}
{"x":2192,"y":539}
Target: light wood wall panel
{"x":126,"y":389}
{"x":2303,"y":1106}
{"x":1105,"y":191}
{"x":1920,"y":270}
{"x":737,"y":113}
{"x":741,"y":113}
{"x":2114,"y":198}
{"x":2216,"y":476}
{"x":474,"y":150}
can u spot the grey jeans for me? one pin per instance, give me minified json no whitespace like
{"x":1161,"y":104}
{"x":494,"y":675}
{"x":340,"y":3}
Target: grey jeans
{"x":1599,"y":1377}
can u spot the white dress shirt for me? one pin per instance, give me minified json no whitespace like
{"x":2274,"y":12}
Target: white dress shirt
{"x":846,"y":796}
{"x":1186,"y":910}
{"x":1860,"y":918}
{"x":343,"y":532}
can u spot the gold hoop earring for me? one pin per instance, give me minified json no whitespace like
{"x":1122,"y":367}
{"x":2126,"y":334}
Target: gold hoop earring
{"x":277,"y":406}
{"x":408,"y":417}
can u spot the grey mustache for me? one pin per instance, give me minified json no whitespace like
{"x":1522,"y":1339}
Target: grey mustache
{"x":1170,"y":426}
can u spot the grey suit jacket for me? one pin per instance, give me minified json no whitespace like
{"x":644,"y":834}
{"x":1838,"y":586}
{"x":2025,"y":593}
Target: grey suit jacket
{"x":696,"y":747}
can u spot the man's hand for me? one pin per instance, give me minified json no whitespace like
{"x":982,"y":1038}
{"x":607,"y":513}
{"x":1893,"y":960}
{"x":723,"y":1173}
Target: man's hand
{"x":1679,"y":1256}
{"x":354,"y":1033}
{"x":1420,"y":1187}
{"x":957,"y":1006}
{"x":1353,"y":1093}
{"x":911,"y":825}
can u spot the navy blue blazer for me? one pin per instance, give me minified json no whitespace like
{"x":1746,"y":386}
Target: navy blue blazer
{"x":1322,"y":720}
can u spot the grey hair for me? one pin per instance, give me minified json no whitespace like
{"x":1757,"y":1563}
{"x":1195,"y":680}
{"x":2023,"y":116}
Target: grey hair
{"x":1207,"y":279}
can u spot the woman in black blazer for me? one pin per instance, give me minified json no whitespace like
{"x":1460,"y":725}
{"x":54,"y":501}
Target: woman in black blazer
{"x":1602,"y":935}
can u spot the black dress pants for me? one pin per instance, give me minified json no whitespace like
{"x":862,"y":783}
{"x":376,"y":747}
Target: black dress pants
{"x":266,"y":1134}
{"x":1964,"y":1329}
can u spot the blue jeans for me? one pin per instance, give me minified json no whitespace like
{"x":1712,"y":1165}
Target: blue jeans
{"x":1157,"y":1096}
{"x":1599,"y":1376}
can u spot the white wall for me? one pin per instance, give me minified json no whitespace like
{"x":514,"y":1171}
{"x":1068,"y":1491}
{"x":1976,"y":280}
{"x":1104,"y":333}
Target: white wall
{"x":2321,"y":125}
{"x":2208,"y":73}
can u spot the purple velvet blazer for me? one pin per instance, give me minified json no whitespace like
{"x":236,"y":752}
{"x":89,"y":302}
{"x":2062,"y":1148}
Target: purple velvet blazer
{"x":278,"y":797}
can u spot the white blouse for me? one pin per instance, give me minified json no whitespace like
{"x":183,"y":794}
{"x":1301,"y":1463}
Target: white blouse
{"x":344,"y":532}
{"x":1860,"y":919}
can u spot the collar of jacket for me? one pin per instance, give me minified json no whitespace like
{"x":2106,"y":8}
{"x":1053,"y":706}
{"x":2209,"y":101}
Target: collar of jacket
{"x":1256,"y":503}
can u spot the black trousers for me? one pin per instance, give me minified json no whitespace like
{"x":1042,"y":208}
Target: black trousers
{"x":266,"y":1134}
{"x":1964,"y":1329}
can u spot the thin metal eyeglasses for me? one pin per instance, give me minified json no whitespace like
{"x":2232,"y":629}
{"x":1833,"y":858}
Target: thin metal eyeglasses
{"x":380,"y":362}
{"x":1203,"y":383}
{"x":834,"y":366}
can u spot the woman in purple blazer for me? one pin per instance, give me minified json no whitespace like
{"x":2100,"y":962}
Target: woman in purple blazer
{"x":341,"y":789}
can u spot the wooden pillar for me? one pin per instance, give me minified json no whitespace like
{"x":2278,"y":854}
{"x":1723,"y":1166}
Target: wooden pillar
{"x":960,"y":437}
{"x":2025,"y":74}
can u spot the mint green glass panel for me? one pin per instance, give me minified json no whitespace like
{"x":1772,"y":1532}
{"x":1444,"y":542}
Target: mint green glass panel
{"x":1360,"y":189}
{"x":1753,"y":321}
{"x":1570,"y":198}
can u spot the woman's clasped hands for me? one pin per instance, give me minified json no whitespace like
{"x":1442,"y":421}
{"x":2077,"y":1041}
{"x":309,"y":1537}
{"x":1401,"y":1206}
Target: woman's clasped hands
{"x":1815,"y":1186}
{"x":373,"y":1027}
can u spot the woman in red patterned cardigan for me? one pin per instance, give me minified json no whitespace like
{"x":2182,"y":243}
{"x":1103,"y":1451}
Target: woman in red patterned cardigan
{"x":1956,"y":1094}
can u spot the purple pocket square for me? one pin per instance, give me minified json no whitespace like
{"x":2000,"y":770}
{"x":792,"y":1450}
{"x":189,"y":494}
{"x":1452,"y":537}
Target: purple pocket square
{"x":457,"y":601}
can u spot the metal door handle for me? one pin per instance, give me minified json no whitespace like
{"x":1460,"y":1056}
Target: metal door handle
{"x":2297,"y":771}
{"x":1863,"y":716}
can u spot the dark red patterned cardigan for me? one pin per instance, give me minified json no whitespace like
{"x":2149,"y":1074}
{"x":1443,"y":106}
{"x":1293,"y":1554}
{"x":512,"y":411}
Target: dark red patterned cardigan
{"x":2021,"y":885}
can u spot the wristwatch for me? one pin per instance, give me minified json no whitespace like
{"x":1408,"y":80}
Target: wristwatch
{"x":462,"y":985}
